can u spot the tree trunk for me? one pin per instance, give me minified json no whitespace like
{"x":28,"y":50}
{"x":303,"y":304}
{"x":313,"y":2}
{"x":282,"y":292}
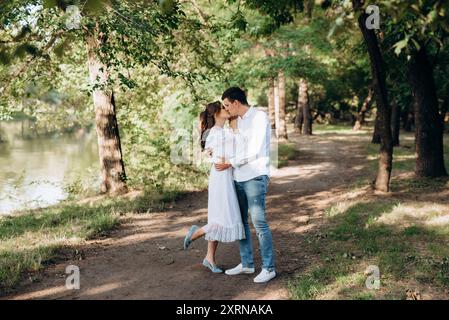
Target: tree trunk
{"x":428,"y":126}
{"x":282,"y":106}
{"x":382,"y":182}
{"x":444,"y":109}
{"x":109,"y":147}
{"x":408,"y":120}
{"x":360,"y":119}
{"x":299,"y":118}
{"x":271,"y":102}
{"x":305,"y":106}
{"x":309,"y":8}
{"x":376,"y":133}
{"x":395,"y":122}
{"x":276,"y":106}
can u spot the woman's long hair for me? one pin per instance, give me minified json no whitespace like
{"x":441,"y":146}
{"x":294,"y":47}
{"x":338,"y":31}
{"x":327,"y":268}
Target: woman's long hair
{"x":207,"y":120}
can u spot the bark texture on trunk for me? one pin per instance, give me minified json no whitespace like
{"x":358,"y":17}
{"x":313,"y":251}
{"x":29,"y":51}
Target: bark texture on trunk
{"x":309,"y":8}
{"x":109,"y":146}
{"x":360,"y":118}
{"x":276,"y":106}
{"x":271,"y":102}
{"x":305,"y":106}
{"x":376,"y":133}
{"x":444,"y":110}
{"x":299,"y":117}
{"x":282,"y":131}
{"x":382,"y":182}
{"x":408,"y":119}
{"x":395,"y":122}
{"x":428,"y":126}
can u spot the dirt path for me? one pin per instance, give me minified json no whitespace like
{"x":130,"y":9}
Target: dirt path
{"x":144,"y":259}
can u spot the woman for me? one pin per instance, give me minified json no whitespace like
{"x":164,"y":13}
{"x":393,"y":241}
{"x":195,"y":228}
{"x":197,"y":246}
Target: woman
{"x":224,"y":222}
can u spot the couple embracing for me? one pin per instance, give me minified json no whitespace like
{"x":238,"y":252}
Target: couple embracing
{"x":238,"y":182}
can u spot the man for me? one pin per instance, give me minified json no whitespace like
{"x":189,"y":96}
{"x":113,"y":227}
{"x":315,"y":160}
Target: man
{"x":251,"y":176}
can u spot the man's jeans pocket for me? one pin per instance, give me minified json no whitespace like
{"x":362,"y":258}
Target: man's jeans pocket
{"x":256,"y":186}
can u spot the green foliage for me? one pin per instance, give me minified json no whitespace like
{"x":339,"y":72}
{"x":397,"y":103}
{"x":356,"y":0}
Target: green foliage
{"x":74,"y":187}
{"x":417,"y":21}
{"x":168,"y":58}
{"x":281,"y":11}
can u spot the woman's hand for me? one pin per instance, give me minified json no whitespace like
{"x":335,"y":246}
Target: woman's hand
{"x":222,"y":165}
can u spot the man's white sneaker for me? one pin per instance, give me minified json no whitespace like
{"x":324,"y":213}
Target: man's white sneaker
{"x":239,"y":270}
{"x":264,"y":276}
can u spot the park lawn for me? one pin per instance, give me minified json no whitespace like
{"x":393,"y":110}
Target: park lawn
{"x":32,"y":239}
{"x":340,"y":128}
{"x":405,"y":234}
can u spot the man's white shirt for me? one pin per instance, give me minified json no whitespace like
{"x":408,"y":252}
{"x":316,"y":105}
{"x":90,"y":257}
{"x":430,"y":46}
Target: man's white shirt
{"x":252,"y":155}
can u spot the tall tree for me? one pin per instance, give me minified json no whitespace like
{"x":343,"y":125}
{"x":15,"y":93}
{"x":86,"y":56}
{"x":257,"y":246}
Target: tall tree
{"x":382,"y":182}
{"x":429,"y":129}
{"x":109,"y":146}
{"x":422,"y":29}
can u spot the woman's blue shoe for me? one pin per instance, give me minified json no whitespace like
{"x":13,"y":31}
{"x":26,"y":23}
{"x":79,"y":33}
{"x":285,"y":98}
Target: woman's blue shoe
{"x":188,"y":239}
{"x":212,"y":267}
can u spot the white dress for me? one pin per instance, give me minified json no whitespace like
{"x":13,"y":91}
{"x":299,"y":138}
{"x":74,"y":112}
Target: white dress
{"x":224,"y":221}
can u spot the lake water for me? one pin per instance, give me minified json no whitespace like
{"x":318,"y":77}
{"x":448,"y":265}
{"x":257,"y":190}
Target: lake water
{"x":35,"y":169}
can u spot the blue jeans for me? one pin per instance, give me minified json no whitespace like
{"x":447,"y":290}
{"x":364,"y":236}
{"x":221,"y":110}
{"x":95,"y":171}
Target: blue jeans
{"x":251,"y":196}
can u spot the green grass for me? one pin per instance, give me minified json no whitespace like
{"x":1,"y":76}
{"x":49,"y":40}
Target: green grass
{"x":333,"y":128}
{"x":340,"y":129}
{"x":286,"y":152}
{"x":366,"y":232}
{"x":30,"y":240}
{"x":316,"y":282}
{"x":360,"y":235}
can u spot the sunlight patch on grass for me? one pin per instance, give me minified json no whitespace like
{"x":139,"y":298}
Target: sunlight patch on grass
{"x":405,"y":215}
{"x":405,"y":241}
{"x":340,"y":128}
{"x":346,"y":286}
{"x":331,"y":281}
{"x":338,"y":208}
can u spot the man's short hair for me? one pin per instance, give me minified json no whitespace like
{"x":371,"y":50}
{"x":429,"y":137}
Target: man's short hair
{"x":235,"y":93}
